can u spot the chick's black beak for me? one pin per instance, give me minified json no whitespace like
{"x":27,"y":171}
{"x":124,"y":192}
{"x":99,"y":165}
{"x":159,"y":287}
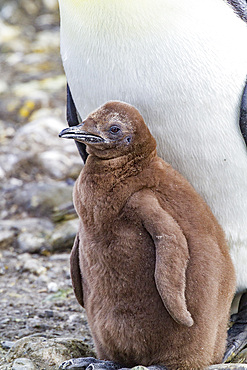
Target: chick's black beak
{"x":77,"y":133}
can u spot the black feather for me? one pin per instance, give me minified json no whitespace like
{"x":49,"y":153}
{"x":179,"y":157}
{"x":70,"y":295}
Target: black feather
{"x":243,"y":114}
{"x":73,"y":121}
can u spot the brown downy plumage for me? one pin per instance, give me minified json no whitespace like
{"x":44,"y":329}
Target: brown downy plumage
{"x":150,"y":263}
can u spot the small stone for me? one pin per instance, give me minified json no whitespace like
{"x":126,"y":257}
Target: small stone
{"x":35,"y":322}
{"x":7,"y":163}
{"x":59,"y":165}
{"x":64,"y":234}
{"x":7,"y":344}
{"x":41,"y":44}
{"x":7,"y":238}
{"x":23,"y":364}
{"x":31,"y":242}
{"x":3,"y":86}
{"x":74,"y":318}
{"x":4,"y":320}
{"x":64,"y":213}
{"x":52,"y":287}
{"x":49,"y":313}
{"x":43,"y":279}
{"x":7,"y":32}
{"x":2,"y":173}
{"x":31,"y":264}
{"x":51,"y":4}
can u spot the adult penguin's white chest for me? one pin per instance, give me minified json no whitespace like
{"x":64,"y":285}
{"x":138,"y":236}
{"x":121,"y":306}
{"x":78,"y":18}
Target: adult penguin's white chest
{"x":183,"y":64}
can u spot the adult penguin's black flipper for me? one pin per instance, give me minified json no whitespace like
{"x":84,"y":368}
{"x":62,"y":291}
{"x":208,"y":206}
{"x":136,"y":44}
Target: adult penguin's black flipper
{"x":243,"y":114}
{"x":240,"y":7}
{"x":237,"y":334}
{"x":72,"y":119}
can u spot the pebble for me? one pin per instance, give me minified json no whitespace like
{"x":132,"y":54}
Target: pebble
{"x":51,"y":4}
{"x":59,"y":164}
{"x":52,"y":287}
{"x":64,"y":234}
{"x":32,"y":242}
{"x":27,"y":263}
{"x":7,"y":238}
{"x":23,"y":364}
{"x":7,"y":344}
{"x":8,"y":33}
{"x":49,"y":313}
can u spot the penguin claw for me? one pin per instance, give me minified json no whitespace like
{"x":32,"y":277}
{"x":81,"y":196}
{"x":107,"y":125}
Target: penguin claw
{"x":77,"y":363}
{"x":89,"y":363}
{"x":237,"y":334}
{"x":237,"y":340}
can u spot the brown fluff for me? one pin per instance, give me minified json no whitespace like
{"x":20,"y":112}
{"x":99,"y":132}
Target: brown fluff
{"x":150,"y":263}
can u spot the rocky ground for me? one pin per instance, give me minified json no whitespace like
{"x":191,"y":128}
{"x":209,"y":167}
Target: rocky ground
{"x":37,"y":172}
{"x":39,"y":314}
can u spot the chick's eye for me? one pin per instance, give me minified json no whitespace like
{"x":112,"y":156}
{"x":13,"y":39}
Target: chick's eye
{"x":114,"y":129}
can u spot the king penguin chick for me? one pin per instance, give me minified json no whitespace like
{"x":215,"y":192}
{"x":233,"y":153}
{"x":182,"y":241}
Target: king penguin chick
{"x":183,"y":64}
{"x":150,"y":263}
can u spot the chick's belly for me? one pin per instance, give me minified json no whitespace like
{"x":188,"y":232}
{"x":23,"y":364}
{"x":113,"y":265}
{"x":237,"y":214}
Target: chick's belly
{"x":118,"y":271}
{"x":116,"y":296}
{"x":126,"y":315}
{"x":122,"y":328}
{"x":124,"y":309}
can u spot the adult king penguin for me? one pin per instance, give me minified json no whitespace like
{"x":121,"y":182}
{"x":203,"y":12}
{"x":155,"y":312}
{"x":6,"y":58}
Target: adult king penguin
{"x":183,"y":64}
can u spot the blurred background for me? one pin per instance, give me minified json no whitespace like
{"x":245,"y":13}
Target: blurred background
{"x":31,"y":72}
{"x":37,"y":173}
